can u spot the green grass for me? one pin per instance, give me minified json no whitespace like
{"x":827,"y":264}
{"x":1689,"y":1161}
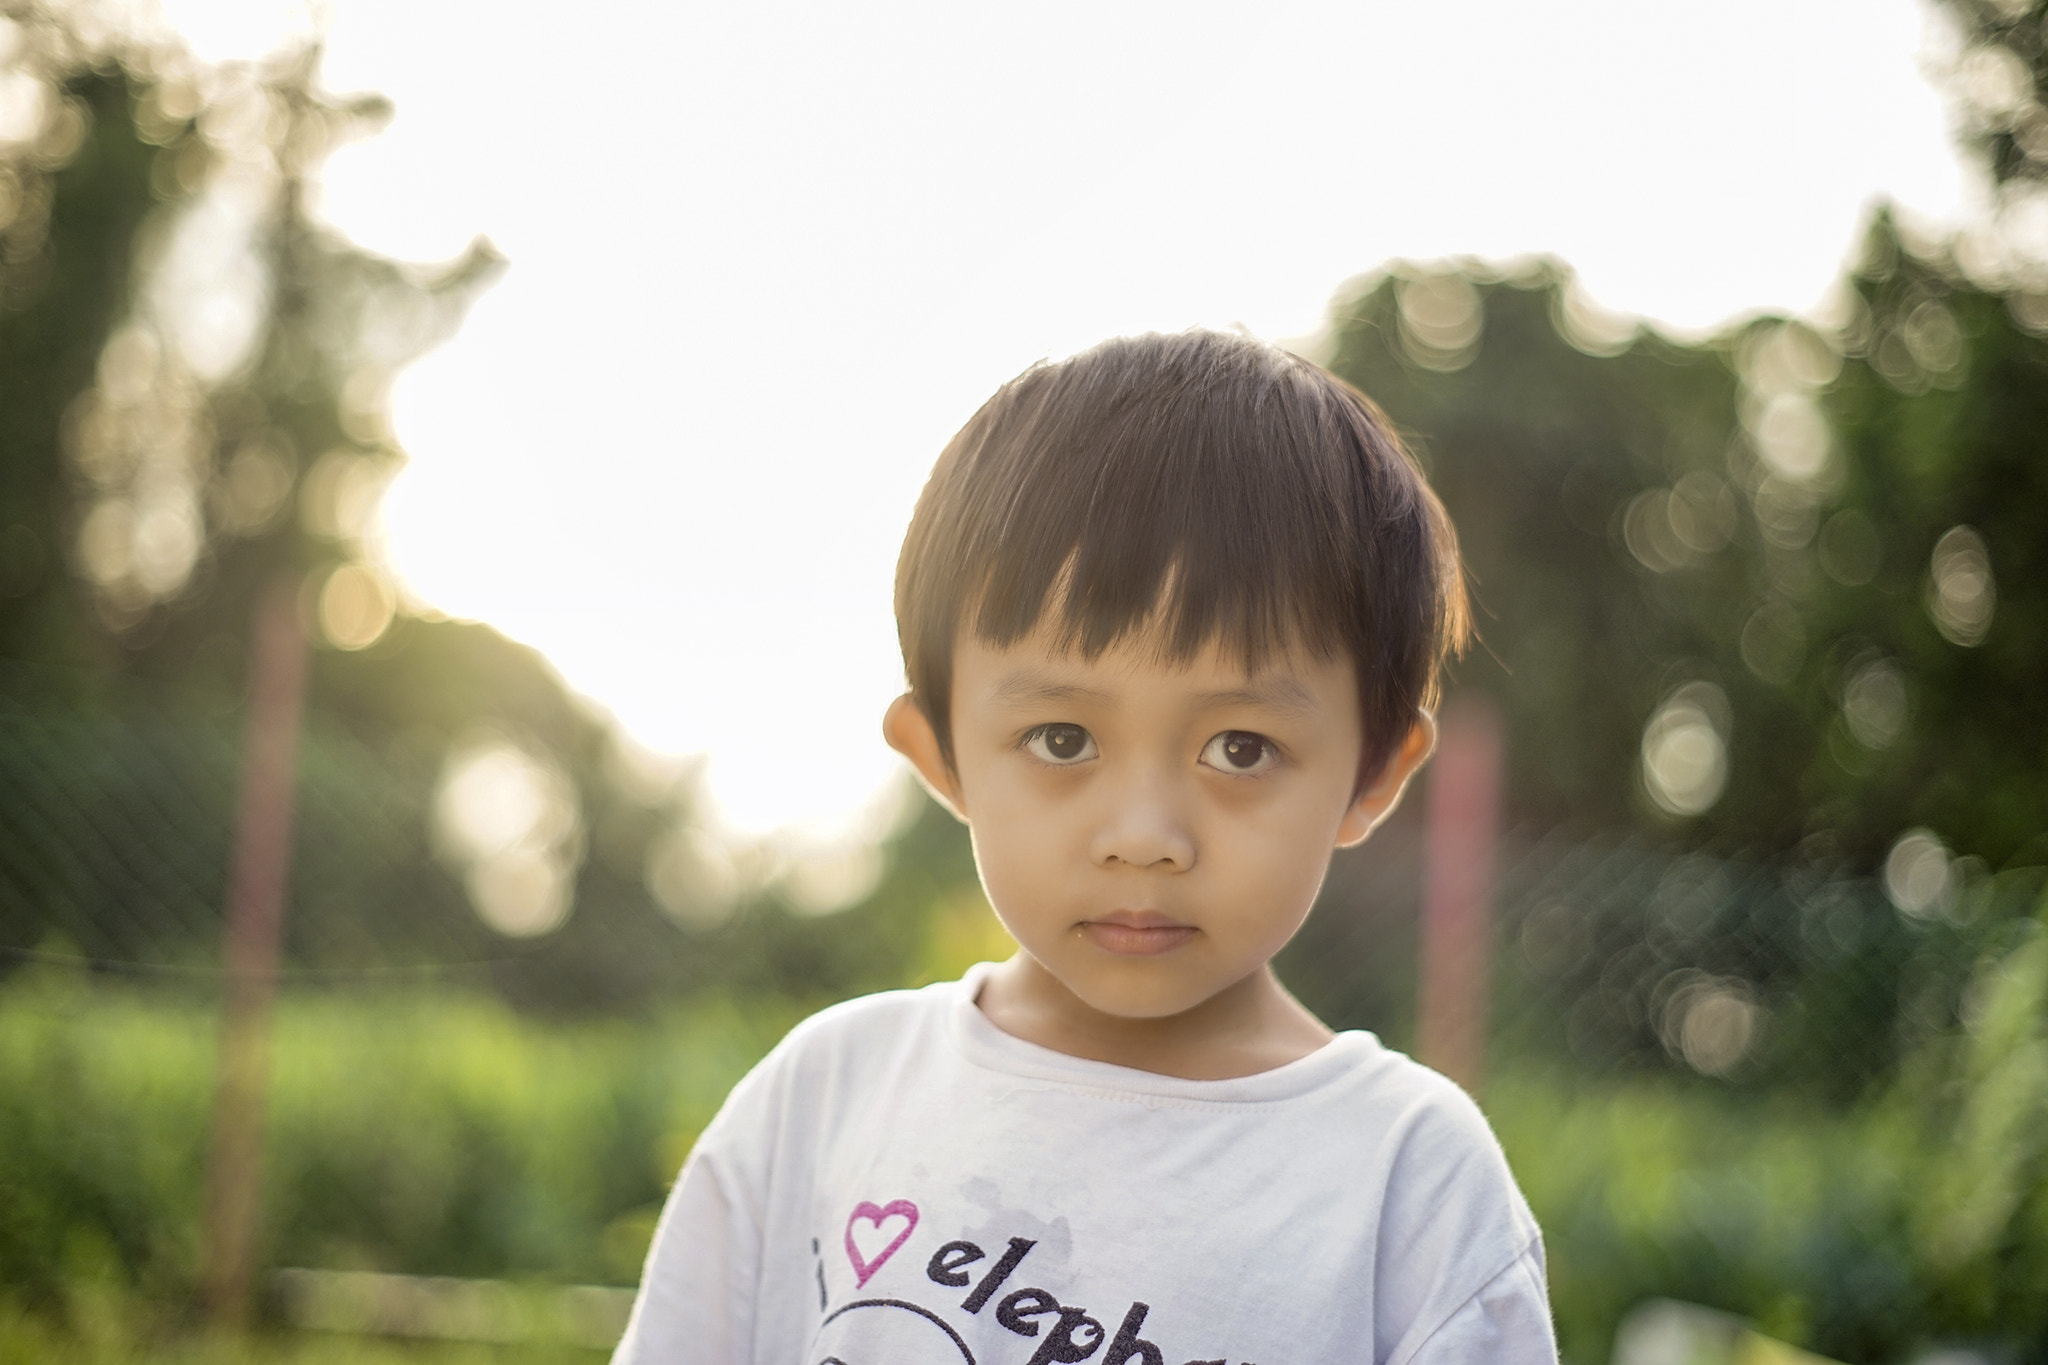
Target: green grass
{"x":27,"y":1339}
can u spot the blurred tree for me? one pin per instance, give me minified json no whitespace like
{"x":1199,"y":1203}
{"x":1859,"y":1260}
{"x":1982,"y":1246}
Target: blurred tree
{"x":1998,"y":77}
{"x":180,"y":347}
{"x":1780,"y":589}
{"x":1778,"y":596}
{"x":196,"y":373}
{"x":1536,"y":445}
{"x":74,"y":189}
{"x":1930,"y":614}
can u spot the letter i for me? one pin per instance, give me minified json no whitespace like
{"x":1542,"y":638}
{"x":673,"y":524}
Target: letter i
{"x":820,"y":1264}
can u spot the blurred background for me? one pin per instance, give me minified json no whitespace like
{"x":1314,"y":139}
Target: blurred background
{"x":444,"y":618}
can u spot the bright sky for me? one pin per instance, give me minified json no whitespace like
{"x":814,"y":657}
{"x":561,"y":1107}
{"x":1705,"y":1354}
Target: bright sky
{"x":766,"y":257}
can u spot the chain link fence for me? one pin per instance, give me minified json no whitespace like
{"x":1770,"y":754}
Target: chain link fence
{"x":1610,"y":953}
{"x":117,"y":812}
{"x":1614,"y":959}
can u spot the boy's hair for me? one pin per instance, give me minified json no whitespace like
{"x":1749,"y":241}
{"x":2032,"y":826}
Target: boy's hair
{"x":1237,"y":491}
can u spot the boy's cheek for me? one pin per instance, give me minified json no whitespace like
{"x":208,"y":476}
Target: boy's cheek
{"x":1022,"y":890}
{"x":1006,"y":815}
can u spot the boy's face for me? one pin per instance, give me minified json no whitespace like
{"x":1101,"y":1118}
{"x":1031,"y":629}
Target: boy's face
{"x":1153,"y":833}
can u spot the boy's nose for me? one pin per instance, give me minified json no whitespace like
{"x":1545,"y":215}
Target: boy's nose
{"x":1142,"y":825}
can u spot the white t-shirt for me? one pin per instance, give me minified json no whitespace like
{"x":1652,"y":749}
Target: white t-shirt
{"x":902,"y":1183}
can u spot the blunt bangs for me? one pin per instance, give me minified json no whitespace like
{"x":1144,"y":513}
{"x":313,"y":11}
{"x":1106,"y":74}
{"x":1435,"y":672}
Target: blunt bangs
{"x":1201,"y":488}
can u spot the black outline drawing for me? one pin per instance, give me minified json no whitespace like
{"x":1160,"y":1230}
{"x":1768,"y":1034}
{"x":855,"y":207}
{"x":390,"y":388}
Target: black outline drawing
{"x":923,"y":1312}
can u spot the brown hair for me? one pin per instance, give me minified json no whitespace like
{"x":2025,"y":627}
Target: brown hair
{"x":1267,"y":501}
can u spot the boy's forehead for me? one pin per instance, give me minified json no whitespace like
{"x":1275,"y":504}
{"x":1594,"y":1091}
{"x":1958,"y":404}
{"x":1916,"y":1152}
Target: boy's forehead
{"x":1050,"y":661}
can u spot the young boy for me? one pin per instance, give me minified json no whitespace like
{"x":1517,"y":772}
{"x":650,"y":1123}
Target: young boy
{"x":1172,"y":612}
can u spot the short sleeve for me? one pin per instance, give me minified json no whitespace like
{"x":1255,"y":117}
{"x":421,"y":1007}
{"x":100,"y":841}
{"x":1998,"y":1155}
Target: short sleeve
{"x":699,"y":1291}
{"x":1506,"y":1322}
{"x":696,"y":1293}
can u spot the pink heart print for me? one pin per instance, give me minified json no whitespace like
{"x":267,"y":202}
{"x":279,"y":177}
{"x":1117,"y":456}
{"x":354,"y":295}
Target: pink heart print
{"x":865,"y":1212}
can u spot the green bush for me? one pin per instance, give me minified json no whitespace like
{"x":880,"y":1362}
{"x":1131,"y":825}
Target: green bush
{"x":448,"y":1135}
{"x":424,"y":1135}
{"x":1866,"y":1234}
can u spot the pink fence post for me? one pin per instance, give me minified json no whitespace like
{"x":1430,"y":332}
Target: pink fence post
{"x":255,"y":919}
{"x":1463,"y":818}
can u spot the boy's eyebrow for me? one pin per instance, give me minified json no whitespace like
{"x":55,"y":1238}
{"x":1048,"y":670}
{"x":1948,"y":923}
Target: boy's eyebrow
{"x":1028,"y":686}
{"x":1275,"y":692}
{"x":1279,"y":693}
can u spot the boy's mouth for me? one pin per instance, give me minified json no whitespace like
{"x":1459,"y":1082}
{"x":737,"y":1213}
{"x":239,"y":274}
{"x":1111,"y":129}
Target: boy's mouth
{"x":1137,"y":933}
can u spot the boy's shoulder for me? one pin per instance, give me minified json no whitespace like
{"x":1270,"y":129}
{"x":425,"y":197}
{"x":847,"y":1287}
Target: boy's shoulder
{"x":840,"y":1056}
{"x":868,"y":1030}
{"x":865,"y":1016}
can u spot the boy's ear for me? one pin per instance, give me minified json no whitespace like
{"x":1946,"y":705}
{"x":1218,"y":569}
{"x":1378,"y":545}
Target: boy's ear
{"x":909,"y":732}
{"x":1377,"y":798}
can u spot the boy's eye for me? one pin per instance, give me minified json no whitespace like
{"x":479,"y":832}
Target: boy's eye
{"x":1240,"y":751}
{"x":1060,"y":743}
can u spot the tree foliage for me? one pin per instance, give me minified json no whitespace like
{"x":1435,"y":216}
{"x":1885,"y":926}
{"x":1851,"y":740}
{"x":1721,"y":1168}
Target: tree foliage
{"x":1817,"y":545}
{"x":1999,"y":81}
{"x":196,"y":373}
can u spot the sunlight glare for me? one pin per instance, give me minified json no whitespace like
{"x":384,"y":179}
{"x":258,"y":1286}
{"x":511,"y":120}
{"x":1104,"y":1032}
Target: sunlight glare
{"x":761,"y":269}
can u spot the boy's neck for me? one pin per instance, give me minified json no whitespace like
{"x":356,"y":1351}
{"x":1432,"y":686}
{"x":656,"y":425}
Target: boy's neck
{"x":1245,"y":1029}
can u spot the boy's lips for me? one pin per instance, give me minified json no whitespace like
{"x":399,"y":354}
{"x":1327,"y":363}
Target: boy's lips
{"x":1136,"y":933}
